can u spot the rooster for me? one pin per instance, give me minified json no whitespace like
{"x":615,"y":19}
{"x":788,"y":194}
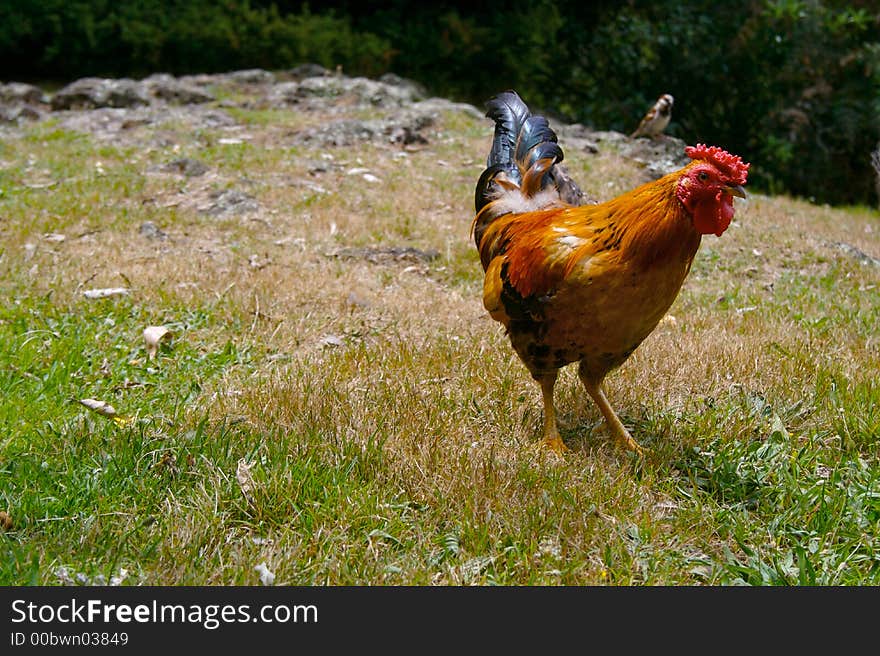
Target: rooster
{"x":655,"y":121}
{"x":587,"y":283}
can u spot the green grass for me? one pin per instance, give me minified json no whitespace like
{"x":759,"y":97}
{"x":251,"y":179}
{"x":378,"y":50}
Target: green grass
{"x":388,"y":430}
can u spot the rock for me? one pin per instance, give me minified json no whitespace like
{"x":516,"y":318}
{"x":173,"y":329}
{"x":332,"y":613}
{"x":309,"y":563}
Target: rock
{"x":30,"y":113}
{"x":150,"y":230}
{"x":437,"y":105}
{"x":18,"y":113}
{"x":660,"y":156}
{"x":214,"y":118}
{"x":191,"y":168}
{"x":406,"y":135}
{"x":20,"y":102}
{"x":365,"y":91}
{"x":407,"y":129}
{"x":170,"y":89}
{"x":19,"y":92}
{"x":316,"y":166}
{"x":230,"y":202}
{"x":417,"y":90}
{"x":304,"y":71}
{"x":382,"y":254}
{"x":344,"y":132}
{"x":857,"y":253}
{"x":252,"y":76}
{"x":319,"y":93}
{"x":158,"y":79}
{"x":283,"y":94}
{"x":602,"y":138}
{"x":404,"y":129}
{"x":93,"y":92}
{"x":199,"y":79}
{"x":578,"y":137}
{"x":104,"y":123}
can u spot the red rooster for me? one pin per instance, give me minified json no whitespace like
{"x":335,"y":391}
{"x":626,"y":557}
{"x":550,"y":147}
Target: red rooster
{"x":587,"y":283}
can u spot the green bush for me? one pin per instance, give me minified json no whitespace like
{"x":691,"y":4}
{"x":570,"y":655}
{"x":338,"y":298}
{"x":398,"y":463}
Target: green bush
{"x":64,"y":39}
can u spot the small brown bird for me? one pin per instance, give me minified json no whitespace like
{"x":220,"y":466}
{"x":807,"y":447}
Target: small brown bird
{"x":587,"y":283}
{"x":657,"y":118}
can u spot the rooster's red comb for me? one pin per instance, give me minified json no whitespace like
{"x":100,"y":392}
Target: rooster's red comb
{"x":730,"y":165}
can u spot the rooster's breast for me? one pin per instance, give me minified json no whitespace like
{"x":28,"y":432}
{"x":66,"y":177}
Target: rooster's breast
{"x":599,"y":315}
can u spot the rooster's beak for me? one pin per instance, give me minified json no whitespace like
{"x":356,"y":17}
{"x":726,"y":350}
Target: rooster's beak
{"x":737,"y":191}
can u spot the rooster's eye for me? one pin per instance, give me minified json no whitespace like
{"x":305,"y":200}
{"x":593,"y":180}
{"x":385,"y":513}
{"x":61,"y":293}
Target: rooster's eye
{"x":703,"y":176}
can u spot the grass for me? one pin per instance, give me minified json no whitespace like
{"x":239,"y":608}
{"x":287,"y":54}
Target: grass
{"x":383,"y":429}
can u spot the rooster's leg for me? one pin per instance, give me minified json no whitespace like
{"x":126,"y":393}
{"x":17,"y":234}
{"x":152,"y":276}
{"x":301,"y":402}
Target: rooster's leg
{"x":618,"y":431}
{"x":551,"y":439}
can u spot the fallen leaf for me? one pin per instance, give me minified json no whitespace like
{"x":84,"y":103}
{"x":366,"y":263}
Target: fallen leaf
{"x":318,"y":189}
{"x":101,"y":407}
{"x":153,"y":336}
{"x":244,"y":478}
{"x":105,"y":292}
{"x":5,"y":520}
{"x":106,"y":410}
{"x":332,"y":340}
{"x":266,"y":576}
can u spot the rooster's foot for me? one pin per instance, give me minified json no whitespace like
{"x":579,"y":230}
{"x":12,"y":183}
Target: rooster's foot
{"x":627,"y":442}
{"x":554,"y":443}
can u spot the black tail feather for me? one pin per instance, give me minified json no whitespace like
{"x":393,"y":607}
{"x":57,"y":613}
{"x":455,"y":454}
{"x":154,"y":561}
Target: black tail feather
{"x":520,"y":141}
{"x":536,"y":141}
{"x":509,"y":113}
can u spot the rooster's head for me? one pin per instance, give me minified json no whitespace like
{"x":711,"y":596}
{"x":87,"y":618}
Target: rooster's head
{"x":707,"y":187}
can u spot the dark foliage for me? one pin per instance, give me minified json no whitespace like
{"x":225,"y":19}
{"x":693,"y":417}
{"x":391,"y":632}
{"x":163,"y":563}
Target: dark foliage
{"x":791,"y":85}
